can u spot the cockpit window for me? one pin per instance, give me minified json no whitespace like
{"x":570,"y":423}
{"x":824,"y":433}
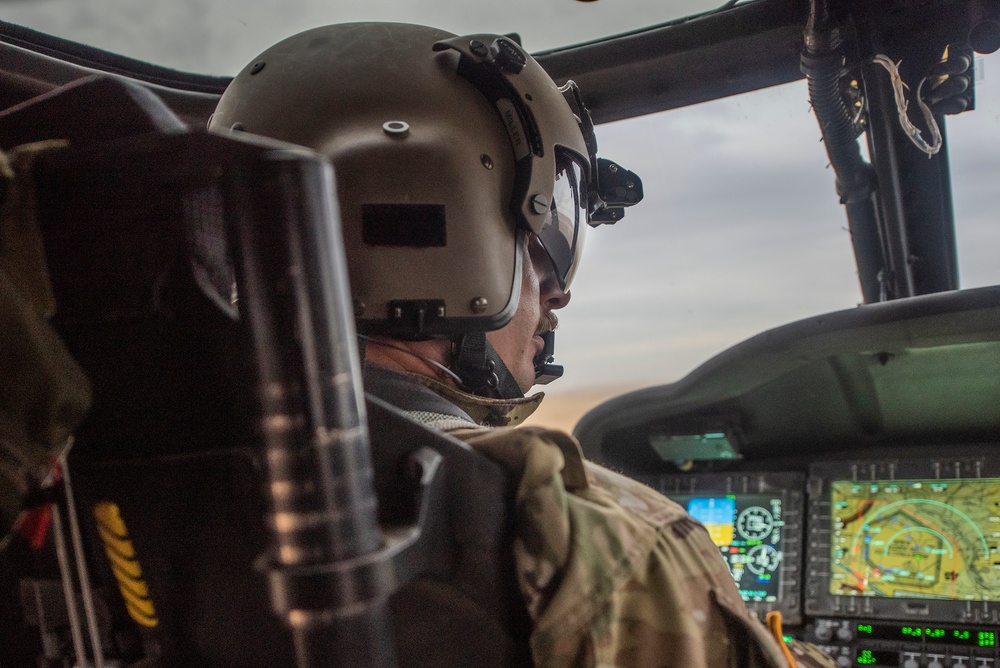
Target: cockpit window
{"x":743,"y":232}
{"x":740,"y":231}
{"x":973,"y":139}
{"x":221,"y":36}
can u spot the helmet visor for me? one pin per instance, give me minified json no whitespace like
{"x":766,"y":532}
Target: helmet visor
{"x":562,"y":234}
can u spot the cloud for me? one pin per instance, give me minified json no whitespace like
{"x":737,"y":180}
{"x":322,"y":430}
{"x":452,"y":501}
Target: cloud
{"x":974,"y":144}
{"x":740,"y":231}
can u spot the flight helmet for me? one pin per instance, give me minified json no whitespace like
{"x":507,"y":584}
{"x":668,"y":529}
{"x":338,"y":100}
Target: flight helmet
{"x":446,"y":150}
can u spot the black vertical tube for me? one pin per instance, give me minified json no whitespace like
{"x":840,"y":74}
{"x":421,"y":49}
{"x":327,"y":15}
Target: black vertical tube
{"x":293,"y":295}
{"x":884,"y":145}
{"x":916,"y":192}
{"x":822,"y":63}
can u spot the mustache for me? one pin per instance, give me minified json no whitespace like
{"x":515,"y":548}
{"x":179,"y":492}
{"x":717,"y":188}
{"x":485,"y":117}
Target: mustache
{"x":548,"y":323}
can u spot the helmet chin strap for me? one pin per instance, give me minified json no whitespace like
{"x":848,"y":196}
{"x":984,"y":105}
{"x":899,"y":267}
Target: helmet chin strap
{"x":481,"y":369}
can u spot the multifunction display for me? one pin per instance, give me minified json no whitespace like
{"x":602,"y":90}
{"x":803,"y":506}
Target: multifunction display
{"x":916,"y":539}
{"x":747,"y":529}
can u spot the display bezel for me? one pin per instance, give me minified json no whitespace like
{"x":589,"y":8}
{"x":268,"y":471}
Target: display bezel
{"x":820,"y":600}
{"x":789,"y":487}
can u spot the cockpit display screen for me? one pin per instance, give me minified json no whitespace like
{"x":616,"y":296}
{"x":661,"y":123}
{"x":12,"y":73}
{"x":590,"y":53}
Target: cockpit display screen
{"x":917,"y":539}
{"x":747,"y":529}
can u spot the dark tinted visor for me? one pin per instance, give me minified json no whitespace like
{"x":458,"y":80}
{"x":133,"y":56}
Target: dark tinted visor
{"x":563,"y":233}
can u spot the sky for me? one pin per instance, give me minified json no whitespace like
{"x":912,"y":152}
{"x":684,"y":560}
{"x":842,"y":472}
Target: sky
{"x":221,"y":36}
{"x":740,"y":230}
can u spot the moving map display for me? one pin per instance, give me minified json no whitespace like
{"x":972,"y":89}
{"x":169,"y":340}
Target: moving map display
{"x":920,"y":539}
{"x":747,"y":529}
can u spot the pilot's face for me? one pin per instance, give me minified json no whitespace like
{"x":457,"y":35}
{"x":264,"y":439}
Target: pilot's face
{"x":519,"y":341}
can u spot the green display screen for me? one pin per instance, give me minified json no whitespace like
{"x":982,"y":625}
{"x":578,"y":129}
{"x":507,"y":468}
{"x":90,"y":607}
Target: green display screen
{"x":747,"y":529}
{"x":693,"y":447}
{"x":922,"y":539}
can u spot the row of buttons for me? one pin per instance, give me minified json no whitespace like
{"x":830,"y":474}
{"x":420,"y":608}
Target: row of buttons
{"x":846,"y":657}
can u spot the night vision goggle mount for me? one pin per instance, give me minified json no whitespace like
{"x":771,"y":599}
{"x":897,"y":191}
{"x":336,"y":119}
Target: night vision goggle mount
{"x":500,"y":69}
{"x":611,"y":187}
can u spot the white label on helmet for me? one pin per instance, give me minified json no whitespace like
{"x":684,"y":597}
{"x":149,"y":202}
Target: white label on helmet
{"x":514,"y":128}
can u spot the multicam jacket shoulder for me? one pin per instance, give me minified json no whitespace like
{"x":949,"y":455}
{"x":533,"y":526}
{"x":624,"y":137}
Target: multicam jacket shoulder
{"x":612,"y":572}
{"x":615,"y":574}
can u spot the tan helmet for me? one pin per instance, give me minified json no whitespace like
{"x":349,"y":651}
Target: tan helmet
{"x":445,"y":149}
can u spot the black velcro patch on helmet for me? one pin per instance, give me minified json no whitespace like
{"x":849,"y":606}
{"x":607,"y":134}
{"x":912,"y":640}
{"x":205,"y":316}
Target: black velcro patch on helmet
{"x":414,"y":225}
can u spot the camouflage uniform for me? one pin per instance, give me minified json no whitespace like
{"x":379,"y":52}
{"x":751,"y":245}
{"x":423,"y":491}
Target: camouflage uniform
{"x":612,"y":572}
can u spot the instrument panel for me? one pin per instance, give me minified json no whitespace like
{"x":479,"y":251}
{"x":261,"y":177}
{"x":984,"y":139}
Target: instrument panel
{"x":757,"y":521}
{"x":883,"y":563}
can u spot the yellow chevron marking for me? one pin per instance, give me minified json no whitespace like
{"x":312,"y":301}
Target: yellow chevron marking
{"x":107,"y":513}
{"x":137,"y":588}
{"x":139,"y":615}
{"x":124,"y":564}
{"x":127,"y":564}
{"x":121,"y":543}
{"x":141,"y":610}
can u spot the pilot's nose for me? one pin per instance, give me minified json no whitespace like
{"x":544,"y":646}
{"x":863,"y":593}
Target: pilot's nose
{"x":550,"y":293}
{"x":554,"y":297}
